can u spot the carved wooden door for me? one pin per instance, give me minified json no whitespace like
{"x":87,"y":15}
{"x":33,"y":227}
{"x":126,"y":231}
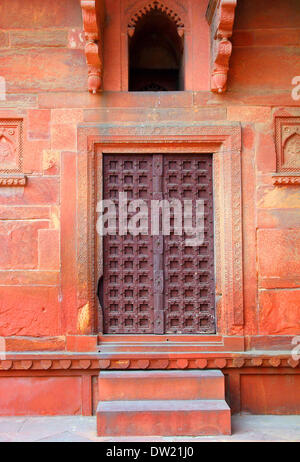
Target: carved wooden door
{"x":157,"y":283}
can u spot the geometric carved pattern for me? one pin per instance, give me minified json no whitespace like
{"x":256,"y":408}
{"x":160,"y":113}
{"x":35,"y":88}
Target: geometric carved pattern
{"x":220,"y":15}
{"x":189,"y":270}
{"x":287,"y":131}
{"x":155,"y":5}
{"x":159,"y":284}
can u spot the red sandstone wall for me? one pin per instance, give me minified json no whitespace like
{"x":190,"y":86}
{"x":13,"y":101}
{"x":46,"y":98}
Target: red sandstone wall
{"x":42,"y":60}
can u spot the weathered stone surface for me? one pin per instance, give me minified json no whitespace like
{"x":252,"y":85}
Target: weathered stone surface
{"x":43,"y":69}
{"x":266,"y":37}
{"x":285,"y":197}
{"x":29,"y":278}
{"x":39,"y":124}
{"x":38,"y":191}
{"x":248,"y":137}
{"x":24,"y":213}
{"x":270,"y":394}
{"x":279,"y":14}
{"x":4,"y":39}
{"x":39,"y":38}
{"x":40,"y":396}
{"x":253,"y":114}
{"x":36,"y":14}
{"x":66,"y":116}
{"x":111,"y":115}
{"x":19,"y":100}
{"x":18,"y":243}
{"x":278,"y":218}
{"x":32,"y":164}
{"x":265,"y":154}
{"x":113,"y":99}
{"x":278,"y":254}
{"x":279,"y":312}
{"x":49,"y":247}
{"x":29,"y":311}
{"x":253,"y":76}
{"x":64,"y":137}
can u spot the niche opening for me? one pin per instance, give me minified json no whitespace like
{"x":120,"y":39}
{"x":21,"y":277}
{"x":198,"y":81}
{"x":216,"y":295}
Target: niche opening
{"x":156,"y":55}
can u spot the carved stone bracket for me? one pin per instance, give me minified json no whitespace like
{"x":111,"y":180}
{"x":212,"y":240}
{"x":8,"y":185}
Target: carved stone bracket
{"x":220,"y":15}
{"x":93,"y":14}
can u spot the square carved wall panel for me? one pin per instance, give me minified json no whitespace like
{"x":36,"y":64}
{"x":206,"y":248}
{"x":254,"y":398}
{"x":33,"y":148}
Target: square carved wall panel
{"x":11,"y":153}
{"x":287,"y":130}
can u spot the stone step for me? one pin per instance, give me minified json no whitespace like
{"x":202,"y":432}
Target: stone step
{"x":163,"y":418}
{"x":161,"y":385}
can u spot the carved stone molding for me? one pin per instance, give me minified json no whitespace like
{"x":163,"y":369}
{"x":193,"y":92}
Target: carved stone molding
{"x":29,"y":364}
{"x":222,"y":140}
{"x":220,"y":16}
{"x":285,"y":180}
{"x":12,"y":181}
{"x":93,"y":14}
{"x":155,"y":5}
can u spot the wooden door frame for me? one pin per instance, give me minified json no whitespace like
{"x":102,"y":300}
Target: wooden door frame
{"x":224,"y":142}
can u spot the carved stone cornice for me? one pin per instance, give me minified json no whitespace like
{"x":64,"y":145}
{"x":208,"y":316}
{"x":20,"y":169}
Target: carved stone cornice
{"x":93,"y":14}
{"x":52,"y":363}
{"x":220,"y":15}
{"x":286,"y":180}
{"x":12,"y":180}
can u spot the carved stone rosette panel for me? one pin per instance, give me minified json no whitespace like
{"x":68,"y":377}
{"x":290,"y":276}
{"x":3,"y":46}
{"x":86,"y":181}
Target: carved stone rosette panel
{"x":220,"y":16}
{"x":287,"y":134}
{"x":11,"y":153}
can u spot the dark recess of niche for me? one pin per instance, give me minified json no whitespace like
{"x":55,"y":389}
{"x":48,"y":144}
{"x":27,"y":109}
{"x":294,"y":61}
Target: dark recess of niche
{"x":155,"y":55}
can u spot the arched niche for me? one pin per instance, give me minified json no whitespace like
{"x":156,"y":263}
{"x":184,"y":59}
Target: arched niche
{"x":155,"y":52}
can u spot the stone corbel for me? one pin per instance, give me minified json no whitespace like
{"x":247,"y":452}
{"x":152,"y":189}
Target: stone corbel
{"x":93,"y":14}
{"x":220,"y":16}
